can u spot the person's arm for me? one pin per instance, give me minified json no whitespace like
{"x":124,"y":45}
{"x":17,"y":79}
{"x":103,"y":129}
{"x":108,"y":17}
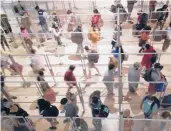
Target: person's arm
{"x":45,"y":15}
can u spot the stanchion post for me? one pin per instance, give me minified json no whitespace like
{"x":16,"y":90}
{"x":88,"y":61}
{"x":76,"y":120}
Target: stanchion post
{"x":80,"y":95}
{"x":94,"y":6}
{"x":69,"y":5}
{"x":120,"y":73}
{"x":47,"y":7}
{"x":24,"y":44}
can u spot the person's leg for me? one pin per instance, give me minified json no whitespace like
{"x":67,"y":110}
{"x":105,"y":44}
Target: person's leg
{"x":2,"y":43}
{"x":96,"y":69}
{"x":78,"y":49}
{"x":130,"y":8}
{"x":3,"y":39}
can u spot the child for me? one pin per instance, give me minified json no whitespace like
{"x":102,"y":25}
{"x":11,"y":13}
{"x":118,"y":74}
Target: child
{"x":26,"y":37}
{"x":166,"y":116}
{"x":127,"y":123}
{"x":62,"y":103}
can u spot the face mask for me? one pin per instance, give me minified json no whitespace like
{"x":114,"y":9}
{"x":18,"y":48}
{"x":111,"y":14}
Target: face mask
{"x":149,"y":102}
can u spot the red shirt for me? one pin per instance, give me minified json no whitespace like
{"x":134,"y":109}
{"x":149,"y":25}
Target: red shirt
{"x":69,"y":76}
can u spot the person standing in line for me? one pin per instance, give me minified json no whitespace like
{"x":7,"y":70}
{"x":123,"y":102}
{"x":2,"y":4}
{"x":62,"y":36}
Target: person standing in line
{"x":133,"y":76}
{"x":150,"y":108}
{"x":77,"y":37}
{"x":69,"y":77}
{"x":164,"y":126}
{"x":127,"y":123}
{"x":71,"y":21}
{"x":19,"y":8}
{"x":3,"y":40}
{"x":92,"y":59}
{"x":94,"y":36}
{"x":130,"y":6}
{"x":43,"y":17}
{"x":152,"y":6}
{"x":96,"y":19}
{"x":108,"y":79}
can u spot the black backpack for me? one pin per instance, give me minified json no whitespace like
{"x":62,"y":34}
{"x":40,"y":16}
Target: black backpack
{"x":51,"y":112}
{"x":113,"y":8}
{"x":147,"y":75}
{"x":156,"y":101}
{"x":154,"y":57}
{"x":104,"y":111}
{"x":144,"y":19}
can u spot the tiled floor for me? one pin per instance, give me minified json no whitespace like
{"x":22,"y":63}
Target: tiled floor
{"x":27,"y":96}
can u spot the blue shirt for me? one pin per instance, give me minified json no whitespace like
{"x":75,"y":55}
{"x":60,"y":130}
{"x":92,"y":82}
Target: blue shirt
{"x":147,"y":107}
{"x":115,"y":51}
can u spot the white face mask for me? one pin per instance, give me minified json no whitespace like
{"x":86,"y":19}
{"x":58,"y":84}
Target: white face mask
{"x":149,"y":102}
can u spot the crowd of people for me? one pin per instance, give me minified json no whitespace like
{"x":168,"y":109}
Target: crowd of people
{"x":148,"y":68}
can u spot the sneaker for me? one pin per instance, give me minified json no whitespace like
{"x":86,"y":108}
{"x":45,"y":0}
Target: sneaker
{"x":52,"y":128}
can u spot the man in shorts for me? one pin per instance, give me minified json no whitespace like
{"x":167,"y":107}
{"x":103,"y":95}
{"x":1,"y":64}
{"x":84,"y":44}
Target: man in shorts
{"x":93,"y":58}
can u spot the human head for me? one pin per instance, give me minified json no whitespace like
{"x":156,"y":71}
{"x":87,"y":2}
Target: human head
{"x":137,"y":65}
{"x":166,"y":115}
{"x":79,"y":28}
{"x":147,"y":28}
{"x":33,"y":51}
{"x":71,"y":67}
{"x":170,"y":24}
{"x":69,"y":12}
{"x":71,"y":96}
{"x":63,"y":101}
{"x":22,"y":28}
{"x":111,"y":66}
{"x":126,"y":113}
{"x":37,"y":8}
{"x":158,"y":66}
{"x":150,"y":98}
{"x":147,"y":46}
{"x":95,"y":11}
{"x":86,"y":48}
{"x":41,"y":73}
{"x":165,"y":7}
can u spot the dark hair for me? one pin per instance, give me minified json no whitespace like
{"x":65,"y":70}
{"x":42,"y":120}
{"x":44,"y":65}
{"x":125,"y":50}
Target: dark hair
{"x":37,"y":7}
{"x":111,"y":66}
{"x":22,"y":28}
{"x":41,"y":73}
{"x":33,"y":51}
{"x":86,"y":48}
{"x":170,"y":24}
{"x":147,"y":28}
{"x":158,"y":65}
{"x":166,"y":114}
{"x":69,"y":12}
{"x":95,"y":11}
{"x":147,"y":46}
{"x":165,"y":7}
{"x":63,"y":101}
{"x":71,"y":67}
{"x":150,"y":98}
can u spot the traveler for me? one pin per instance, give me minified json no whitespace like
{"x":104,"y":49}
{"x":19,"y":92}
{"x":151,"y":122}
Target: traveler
{"x":96,"y":19}
{"x":69,"y":77}
{"x":152,"y":6}
{"x":144,"y":37}
{"x":26,"y":38}
{"x":142,"y":21}
{"x":146,"y":60}
{"x":19,"y":9}
{"x":108,"y":79}
{"x":116,"y":53}
{"x":92,"y":59}
{"x":166,"y":116}
{"x":26,"y":22}
{"x":128,"y":122}
{"x":133,"y":76}
{"x":56,"y":31}
{"x":71,"y":109}
{"x":7,"y":28}
{"x":56,"y":20}
{"x":3,"y":90}
{"x":167,"y":38}
{"x":114,"y":61}
{"x":36,"y":62}
{"x":162,"y":15}
{"x":3,"y":40}
{"x":43,"y":17}
{"x":77,"y":37}
{"x":150,"y":106}
{"x":130,"y":6}
{"x":156,"y":76}
{"x":71,"y":21}
{"x":94,"y":36}
{"x":48,"y":110}
{"x":63,"y":102}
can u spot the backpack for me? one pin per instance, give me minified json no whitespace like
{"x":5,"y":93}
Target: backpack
{"x":104,"y":111}
{"x":144,"y":19}
{"x":51,"y":112}
{"x":95,"y":105}
{"x":156,"y":101}
{"x":166,"y":102}
{"x":93,"y":57}
{"x":147,"y":75}
{"x":113,"y":9}
{"x":154,"y":57}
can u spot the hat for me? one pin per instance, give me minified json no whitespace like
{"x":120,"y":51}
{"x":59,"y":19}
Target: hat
{"x":158,"y":65}
{"x":137,"y":64}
